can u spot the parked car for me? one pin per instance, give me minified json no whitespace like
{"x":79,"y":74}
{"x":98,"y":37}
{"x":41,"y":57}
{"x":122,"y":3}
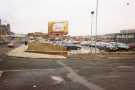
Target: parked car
{"x":92,"y":44}
{"x":105,"y":46}
{"x":120,"y":46}
{"x":131,"y":46}
{"x":72,"y":47}
{"x":85,"y":43}
{"x":110,"y":47}
{"x":101,"y":45}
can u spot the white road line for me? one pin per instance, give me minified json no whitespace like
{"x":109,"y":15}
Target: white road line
{"x":77,"y":78}
{"x":17,"y":70}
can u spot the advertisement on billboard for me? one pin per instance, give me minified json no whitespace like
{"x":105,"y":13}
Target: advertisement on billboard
{"x":58,"y":27}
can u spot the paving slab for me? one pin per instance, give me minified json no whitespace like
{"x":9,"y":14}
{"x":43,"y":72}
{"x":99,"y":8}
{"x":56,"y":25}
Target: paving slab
{"x":20,"y":52}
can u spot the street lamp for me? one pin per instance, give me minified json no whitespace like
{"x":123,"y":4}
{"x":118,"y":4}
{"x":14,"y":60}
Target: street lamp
{"x":96,"y":24}
{"x":92,"y":13}
{"x":127,"y":3}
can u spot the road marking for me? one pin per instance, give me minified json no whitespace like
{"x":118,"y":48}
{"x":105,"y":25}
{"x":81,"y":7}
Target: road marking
{"x":125,"y":67}
{"x":77,"y":78}
{"x":19,"y":70}
{"x":34,"y":86}
{"x":57,"y":79}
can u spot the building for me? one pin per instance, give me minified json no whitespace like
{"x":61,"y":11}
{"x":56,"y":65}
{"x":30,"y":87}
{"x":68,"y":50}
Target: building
{"x":128,"y":31}
{"x":4,"y":32}
{"x":125,"y":36}
{"x":4,"y":29}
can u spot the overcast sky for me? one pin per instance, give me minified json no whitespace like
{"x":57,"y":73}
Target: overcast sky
{"x":33,"y":15}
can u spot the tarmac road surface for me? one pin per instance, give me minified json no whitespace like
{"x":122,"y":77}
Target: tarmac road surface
{"x":69,"y":74}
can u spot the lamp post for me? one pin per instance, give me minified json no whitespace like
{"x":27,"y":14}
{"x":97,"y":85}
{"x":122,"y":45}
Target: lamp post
{"x":92,"y":13}
{"x":96,"y":27}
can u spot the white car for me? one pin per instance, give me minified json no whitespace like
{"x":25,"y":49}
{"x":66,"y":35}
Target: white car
{"x":123,"y":46}
{"x":120,"y":46}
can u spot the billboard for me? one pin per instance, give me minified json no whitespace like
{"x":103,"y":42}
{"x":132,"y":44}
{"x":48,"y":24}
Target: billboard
{"x":58,"y":28}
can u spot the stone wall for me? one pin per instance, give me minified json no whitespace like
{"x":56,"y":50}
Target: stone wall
{"x":47,"y":48}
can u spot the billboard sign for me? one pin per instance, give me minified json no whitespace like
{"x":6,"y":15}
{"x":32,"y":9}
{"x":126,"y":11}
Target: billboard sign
{"x":58,"y":27}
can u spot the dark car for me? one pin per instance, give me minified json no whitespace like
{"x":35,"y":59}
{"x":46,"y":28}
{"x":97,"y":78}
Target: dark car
{"x":72,"y":47}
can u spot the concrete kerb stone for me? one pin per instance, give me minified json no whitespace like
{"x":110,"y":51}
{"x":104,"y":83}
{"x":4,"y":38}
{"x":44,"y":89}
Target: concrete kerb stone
{"x":105,"y":55}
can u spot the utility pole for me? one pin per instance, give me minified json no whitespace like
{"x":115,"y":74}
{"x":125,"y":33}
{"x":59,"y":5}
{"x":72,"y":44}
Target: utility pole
{"x":96,"y":25}
{"x":92,"y":13}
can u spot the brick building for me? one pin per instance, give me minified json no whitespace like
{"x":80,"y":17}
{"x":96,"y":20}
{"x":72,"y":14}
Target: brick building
{"x":125,"y":36}
{"x":4,"y":32}
{"x":4,"y":29}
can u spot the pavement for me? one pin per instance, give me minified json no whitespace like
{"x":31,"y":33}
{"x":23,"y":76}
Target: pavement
{"x":20,"y":52}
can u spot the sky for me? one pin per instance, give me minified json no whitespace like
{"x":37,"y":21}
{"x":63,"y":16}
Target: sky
{"x":33,"y":15}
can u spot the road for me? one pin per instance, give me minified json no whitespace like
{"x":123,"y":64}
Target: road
{"x":4,"y":49}
{"x":69,"y":74}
